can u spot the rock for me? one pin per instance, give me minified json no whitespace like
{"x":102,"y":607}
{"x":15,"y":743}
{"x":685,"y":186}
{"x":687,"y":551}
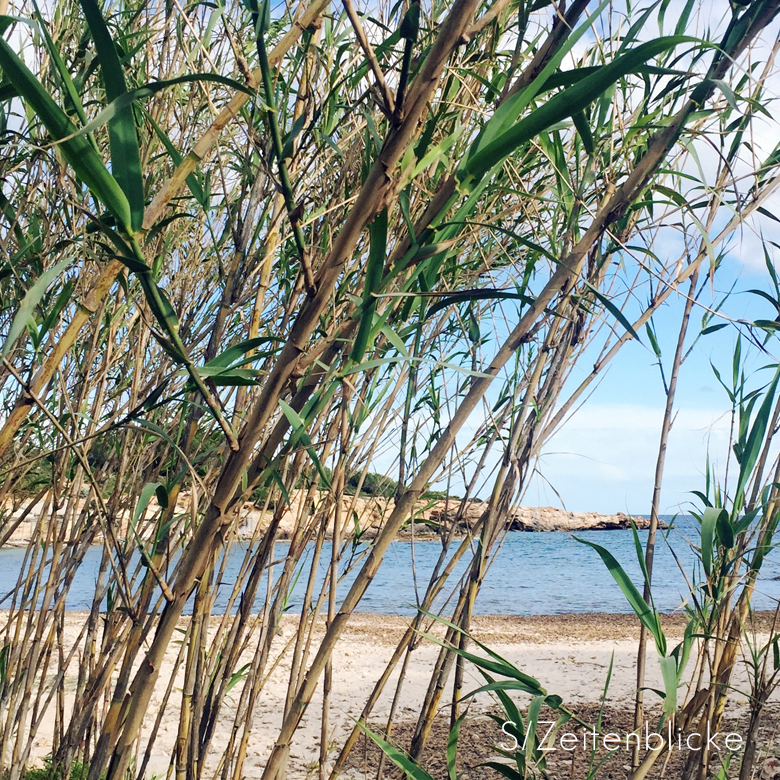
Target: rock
{"x":366,"y":515}
{"x":548,"y":518}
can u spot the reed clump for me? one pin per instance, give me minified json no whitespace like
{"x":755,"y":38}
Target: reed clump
{"x":250,"y":249}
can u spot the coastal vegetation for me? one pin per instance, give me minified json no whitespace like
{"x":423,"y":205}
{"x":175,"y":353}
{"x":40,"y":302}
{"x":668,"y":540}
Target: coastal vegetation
{"x":250,"y":249}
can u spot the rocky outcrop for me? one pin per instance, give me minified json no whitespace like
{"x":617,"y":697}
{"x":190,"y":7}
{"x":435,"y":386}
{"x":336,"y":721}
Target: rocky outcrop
{"x":363,"y":517}
{"x":541,"y":518}
{"x":434,"y":519}
{"x":548,"y":518}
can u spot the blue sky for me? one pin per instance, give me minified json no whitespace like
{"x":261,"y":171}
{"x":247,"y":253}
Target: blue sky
{"x":603,"y":459}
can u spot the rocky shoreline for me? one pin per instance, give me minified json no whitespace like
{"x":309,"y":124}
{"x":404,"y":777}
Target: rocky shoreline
{"x":435,"y":519}
{"x":366,"y":516}
{"x":529,"y":519}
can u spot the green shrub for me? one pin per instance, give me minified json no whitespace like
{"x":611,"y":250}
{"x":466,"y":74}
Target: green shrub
{"x":78,"y":771}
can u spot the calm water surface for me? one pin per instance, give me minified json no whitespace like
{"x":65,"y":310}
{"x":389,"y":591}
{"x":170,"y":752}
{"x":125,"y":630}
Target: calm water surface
{"x":533,"y":574}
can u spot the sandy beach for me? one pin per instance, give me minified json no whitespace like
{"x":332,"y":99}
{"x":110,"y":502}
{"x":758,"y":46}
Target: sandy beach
{"x":569,"y":654}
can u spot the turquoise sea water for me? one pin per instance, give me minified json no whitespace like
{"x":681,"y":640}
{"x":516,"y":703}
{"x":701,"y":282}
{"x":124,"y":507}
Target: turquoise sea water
{"x":533,"y":574}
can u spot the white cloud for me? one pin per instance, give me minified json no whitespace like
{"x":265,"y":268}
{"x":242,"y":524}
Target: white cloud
{"x":604,"y":457}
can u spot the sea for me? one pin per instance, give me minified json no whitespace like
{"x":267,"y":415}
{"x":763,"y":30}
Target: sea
{"x":532,"y":574}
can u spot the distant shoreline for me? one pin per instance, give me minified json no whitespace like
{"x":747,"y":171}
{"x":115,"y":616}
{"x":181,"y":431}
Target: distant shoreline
{"x":499,"y":628}
{"x":420,"y":534}
{"x":364,"y":517}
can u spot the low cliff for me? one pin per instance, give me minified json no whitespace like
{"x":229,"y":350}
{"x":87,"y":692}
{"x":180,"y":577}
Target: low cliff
{"x":537,"y":519}
{"x":363,"y":517}
{"x":434,"y":519}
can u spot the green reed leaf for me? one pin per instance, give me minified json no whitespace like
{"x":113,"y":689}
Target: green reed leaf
{"x":406,"y":764}
{"x":300,"y":434}
{"x":376,"y":264}
{"x":123,"y":136}
{"x":755,"y":440}
{"x":646,"y":614}
{"x":564,"y":105}
{"x":709,"y":520}
{"x":27,"y":307}
{"x":452,"y":746}
{"x":78,"y":151}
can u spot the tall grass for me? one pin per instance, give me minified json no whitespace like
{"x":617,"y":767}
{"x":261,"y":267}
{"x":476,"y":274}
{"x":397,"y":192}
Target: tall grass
{"x":248,"y":250}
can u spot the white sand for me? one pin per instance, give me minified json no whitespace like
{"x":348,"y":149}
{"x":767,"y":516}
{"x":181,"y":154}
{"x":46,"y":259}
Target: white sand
{"x":569,"y":655}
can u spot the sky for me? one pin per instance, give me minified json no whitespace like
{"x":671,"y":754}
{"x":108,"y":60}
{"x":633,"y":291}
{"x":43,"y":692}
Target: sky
{"x":603,"y":459}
